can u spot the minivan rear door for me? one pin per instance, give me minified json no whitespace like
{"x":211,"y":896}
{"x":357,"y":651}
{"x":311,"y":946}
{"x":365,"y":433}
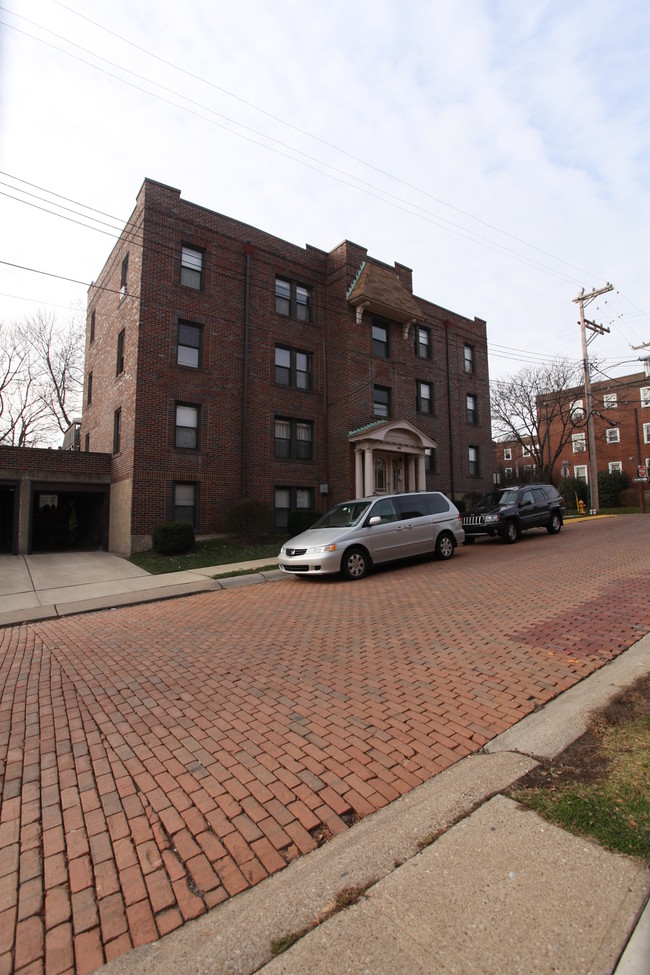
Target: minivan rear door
{"x":416,"y":524}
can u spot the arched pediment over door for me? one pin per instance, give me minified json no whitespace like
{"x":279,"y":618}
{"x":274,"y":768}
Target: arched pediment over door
{"x":389,"y":457}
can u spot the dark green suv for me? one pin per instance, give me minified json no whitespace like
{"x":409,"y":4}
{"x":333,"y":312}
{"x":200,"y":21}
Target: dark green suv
{"x":509,"y":511}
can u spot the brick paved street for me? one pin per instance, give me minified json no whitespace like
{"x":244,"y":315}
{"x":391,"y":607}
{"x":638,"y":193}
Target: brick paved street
{"x":159,"y":759}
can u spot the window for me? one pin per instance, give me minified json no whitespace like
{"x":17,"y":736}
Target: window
{"x":472,"y":414}
{"x":577,"y":411}
{"x":303,"y":303}
{"x":580,"y":472}
{"x":422,"y":342}
{"x":381,"y":405}
{"x":293,"y":368}
{"x":282,"y":296}
{"x":293,"y":439}
{"x":188,"y":350}
{"x":117,"y":431}
{"x":380,"y":340}
{"x":92,"y":326}
{"x":610,"y":401}
{"x":615,"y":467}
{"x":525,"y":450}
{"x":646,"y":432}
{"x":288,"y":499}
{"x":185,"y":503}
{"x":424,"y":397}
{"x":472,"y":457}
{"x":613,"y":435}
{"x":293,"y":300}
{"x":124,"y":276}
{"x":507,"y":453}
{"x":87,"y":442}
{"x":89,"y":397}
{"x":192,"y":267}
{"x":645,"y":396}
{"x":430,"y":460}
{"x":579,"y":442}
{"x":120,"y":353}
{"x":186,"y":432}
{"x":380,"y":476}
{"x":507,"y":473}
{"x":468,"y":355}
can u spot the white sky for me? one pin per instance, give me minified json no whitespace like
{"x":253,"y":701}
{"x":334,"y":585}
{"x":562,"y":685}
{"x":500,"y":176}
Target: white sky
{"x":500,"y":148}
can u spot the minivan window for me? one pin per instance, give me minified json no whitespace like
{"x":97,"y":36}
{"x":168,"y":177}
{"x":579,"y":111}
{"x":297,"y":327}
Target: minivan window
{"x":384,"y":509}
{"x":343,"y":515}
{"x":412,"y":506}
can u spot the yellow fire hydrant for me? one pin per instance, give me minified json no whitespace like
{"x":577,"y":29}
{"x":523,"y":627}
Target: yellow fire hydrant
{"x":581,"y":507}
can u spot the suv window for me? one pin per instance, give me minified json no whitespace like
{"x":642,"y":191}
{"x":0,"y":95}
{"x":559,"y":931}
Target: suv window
{"x":540,"y":495}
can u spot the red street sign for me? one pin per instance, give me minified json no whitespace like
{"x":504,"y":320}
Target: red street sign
{"x":641,"y":471}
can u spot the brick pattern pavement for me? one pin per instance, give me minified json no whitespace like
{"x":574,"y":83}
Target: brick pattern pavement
{"x":159,"y":759}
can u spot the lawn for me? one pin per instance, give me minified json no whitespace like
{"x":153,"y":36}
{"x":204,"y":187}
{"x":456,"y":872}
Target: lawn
{"x":210,"y":551}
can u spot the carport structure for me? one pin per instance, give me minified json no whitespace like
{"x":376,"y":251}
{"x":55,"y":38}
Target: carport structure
{"x":53,"y":499}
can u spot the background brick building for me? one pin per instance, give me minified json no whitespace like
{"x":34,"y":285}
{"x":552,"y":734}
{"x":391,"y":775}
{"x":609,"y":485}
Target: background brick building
{"x":224,"y":363}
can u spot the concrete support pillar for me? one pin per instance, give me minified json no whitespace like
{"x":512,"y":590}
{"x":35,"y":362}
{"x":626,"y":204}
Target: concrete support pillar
{"x":412,"y":484}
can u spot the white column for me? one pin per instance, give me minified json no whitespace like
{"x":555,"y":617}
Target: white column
{"x":422,"y":474}
{"x":369,"y":485}
{"x":412,"y":485}
{"x":358,"y":473}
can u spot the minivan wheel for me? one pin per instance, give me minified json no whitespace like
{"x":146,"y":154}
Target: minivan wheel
{"x":444,"y":546}
{"x":355,"y":564}
{"x":554,"y":524}
{"x":510,"y":532}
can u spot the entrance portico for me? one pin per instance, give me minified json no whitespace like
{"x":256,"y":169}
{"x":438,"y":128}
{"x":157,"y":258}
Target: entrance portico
{"x":389,"y":458}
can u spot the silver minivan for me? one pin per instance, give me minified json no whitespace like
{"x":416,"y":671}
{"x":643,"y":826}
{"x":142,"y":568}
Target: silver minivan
{"x":355,"y":535}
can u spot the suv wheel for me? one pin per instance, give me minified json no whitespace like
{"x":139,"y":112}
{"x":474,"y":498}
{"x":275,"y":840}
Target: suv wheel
{"x":510,"y":532}
{"x":554,"y":524}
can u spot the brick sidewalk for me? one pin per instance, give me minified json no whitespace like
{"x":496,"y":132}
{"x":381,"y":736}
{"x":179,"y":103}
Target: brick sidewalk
{"x":159,"y":759}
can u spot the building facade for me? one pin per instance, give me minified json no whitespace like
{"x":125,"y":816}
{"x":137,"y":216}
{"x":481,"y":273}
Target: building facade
{"x":224,"y":363}
{"x":621,"y":416}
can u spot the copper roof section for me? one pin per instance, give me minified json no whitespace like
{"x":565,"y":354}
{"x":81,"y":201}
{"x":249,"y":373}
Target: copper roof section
{"x":381,"y":292}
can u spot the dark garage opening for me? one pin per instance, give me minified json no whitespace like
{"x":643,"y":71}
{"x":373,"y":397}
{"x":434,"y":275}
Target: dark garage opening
{"x":69,"y":519}
{"x":7,"y":497}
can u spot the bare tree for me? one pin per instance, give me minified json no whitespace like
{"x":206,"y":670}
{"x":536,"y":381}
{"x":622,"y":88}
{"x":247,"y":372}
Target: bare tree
{"x":41,"y":380}
{"x":533,"y":408}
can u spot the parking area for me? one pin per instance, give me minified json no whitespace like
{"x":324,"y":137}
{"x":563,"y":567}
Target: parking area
{"x":162,"y":758}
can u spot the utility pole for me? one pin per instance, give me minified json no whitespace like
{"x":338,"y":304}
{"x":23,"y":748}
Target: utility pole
{"x":582,"y":300}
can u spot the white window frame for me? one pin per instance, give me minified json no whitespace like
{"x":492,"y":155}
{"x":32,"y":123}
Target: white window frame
{"x":579,"y":443}
{"x":581,"y":473}
{"x":577,"y":411}
{"x":615,"y":467}
{"x":507,"y":453}
{"x":525,"y":451}
{"x":613,"y":435}
{"x":644,"y":393}
{"x":646,"y":432}
{"x":610,"y":401}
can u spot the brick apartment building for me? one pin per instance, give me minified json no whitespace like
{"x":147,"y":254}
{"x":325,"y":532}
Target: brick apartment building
{"x":621,"y":414}
{"x":224,"y":363}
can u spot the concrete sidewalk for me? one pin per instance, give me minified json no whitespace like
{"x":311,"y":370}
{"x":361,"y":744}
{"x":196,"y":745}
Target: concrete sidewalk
{"x":453,"y":877}
{"x":43,"y":586}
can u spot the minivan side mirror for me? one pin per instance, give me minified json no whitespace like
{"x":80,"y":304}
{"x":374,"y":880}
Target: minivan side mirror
{"x":375,"y":520}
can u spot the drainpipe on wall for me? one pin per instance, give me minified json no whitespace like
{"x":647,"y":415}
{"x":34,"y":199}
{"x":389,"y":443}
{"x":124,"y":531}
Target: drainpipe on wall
{"x":451,"y":444}
{"x":248,"y":250}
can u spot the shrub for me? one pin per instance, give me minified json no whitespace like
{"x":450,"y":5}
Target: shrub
{"x":249,"y":521}
{"x":300,"y":521}
{"x":172,"y":537}
{"x":610,"y":485}
{"x":574,"y":489}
